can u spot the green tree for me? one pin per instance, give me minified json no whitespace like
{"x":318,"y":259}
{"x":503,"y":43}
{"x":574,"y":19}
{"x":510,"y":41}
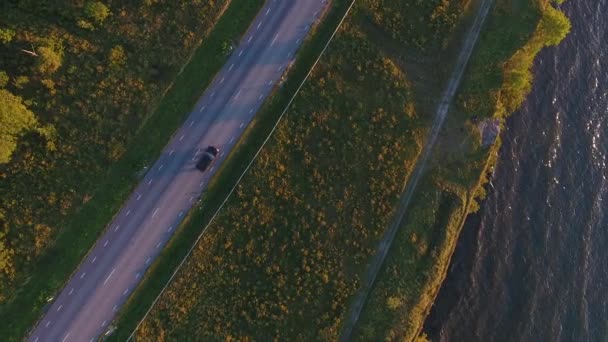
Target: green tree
{"x":117,"y":57}
{"x":394,"y":303}
{"x":15,"y":119}
{"x":97,"y":11}
{"x":6,"y":35}
{"x":3,"y":79}
{"x":21,"y":81}
{"x":554,"y":26}
{"x":49,"y":60}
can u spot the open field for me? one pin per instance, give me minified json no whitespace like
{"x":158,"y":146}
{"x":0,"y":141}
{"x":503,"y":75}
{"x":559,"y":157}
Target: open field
{"x":104,"y":135}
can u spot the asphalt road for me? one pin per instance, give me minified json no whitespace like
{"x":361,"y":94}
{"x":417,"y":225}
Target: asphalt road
{"x":117,"y":262}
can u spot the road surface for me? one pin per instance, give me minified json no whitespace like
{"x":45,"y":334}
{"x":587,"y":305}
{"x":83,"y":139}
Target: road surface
{"x":115,"y":265}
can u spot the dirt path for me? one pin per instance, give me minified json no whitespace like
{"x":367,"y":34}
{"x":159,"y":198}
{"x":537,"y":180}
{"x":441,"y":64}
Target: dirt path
{"x":440,"y":115}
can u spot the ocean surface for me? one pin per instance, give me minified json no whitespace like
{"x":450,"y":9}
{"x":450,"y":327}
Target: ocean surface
{"x":532,"y":265}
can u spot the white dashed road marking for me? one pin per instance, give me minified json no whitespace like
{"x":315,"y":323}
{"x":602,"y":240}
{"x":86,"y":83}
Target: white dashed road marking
{"x":59,"y":308}
{"x":158,"y":245}
{"x":36,"y":340}
{"x":66,"y":337}
{"x":109,"y":276}
{"x":161,"y":167}
{"x":250,"y":38}
{"x":298,"y":41}
{"x":202,"y":109}
{"x":240,"y":53}
{"x":82,"y":275}
{"x":171,"y":152}
{"x":260,"y":97}
{"x":267,"y":11}
{"x":148,"y":260}
{"x":103,"y":324}
{"x":191,"y":123}
{"x":114,"y":308}
{"x":94,"y":258}
{"x":237,"y":94}
{"x":251,"y":111}
{"x":150,"y":182}
{"x":169,"y":230}
{"x":242,"y":124}
{"x":231,"y":140}
{"x":137,"y":275}
{"x":117,"y":226}
{"x":155,"y":212}
{"x":182,"y":212}
{"x":71,"y":291}
{"x":231,"y":66}
{"x":259,"y":24}
{"x":105,"y":243}
{"x":222,"y":80}
{"x":47,"y":324}
{"x":129,"y":211}
{"x":274,"y":39}
{"x":181,"y":138}
{"x":126,"y":291}
{"x":138,"y":197}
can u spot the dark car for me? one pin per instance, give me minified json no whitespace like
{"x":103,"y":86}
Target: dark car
{"x":207,"y":158}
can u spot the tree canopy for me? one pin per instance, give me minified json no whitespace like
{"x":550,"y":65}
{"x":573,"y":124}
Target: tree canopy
{"x":554,"y":26}
{"x":97,"y":11}
{"x":15,"y":120}
{"x":6,"y":35}
{"x":3,"y":79}
{"x":49,"y":60}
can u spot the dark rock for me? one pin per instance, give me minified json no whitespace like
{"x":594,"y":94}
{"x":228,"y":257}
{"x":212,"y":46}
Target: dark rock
{"x":489,"y":130}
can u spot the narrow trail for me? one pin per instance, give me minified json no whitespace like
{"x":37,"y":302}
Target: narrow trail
{"x":440,"y":115}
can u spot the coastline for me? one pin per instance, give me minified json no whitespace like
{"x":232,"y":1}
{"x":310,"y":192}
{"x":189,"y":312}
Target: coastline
{"x":516,"y":85}
{"x":536,"y":44}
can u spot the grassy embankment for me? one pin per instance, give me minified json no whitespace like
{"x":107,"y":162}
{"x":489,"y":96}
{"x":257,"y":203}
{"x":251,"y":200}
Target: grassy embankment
{"x":496,"y":83}
{"x":287,"y":252}
{"x":60,"y":200}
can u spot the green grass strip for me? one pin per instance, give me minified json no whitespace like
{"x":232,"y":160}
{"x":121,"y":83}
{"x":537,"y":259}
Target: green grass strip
{"x":80,"y":233}
{"x":232,"y":168}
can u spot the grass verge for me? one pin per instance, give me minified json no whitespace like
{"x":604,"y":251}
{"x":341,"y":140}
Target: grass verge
{"x":249,"y":143}
{"x":73,"y":242}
